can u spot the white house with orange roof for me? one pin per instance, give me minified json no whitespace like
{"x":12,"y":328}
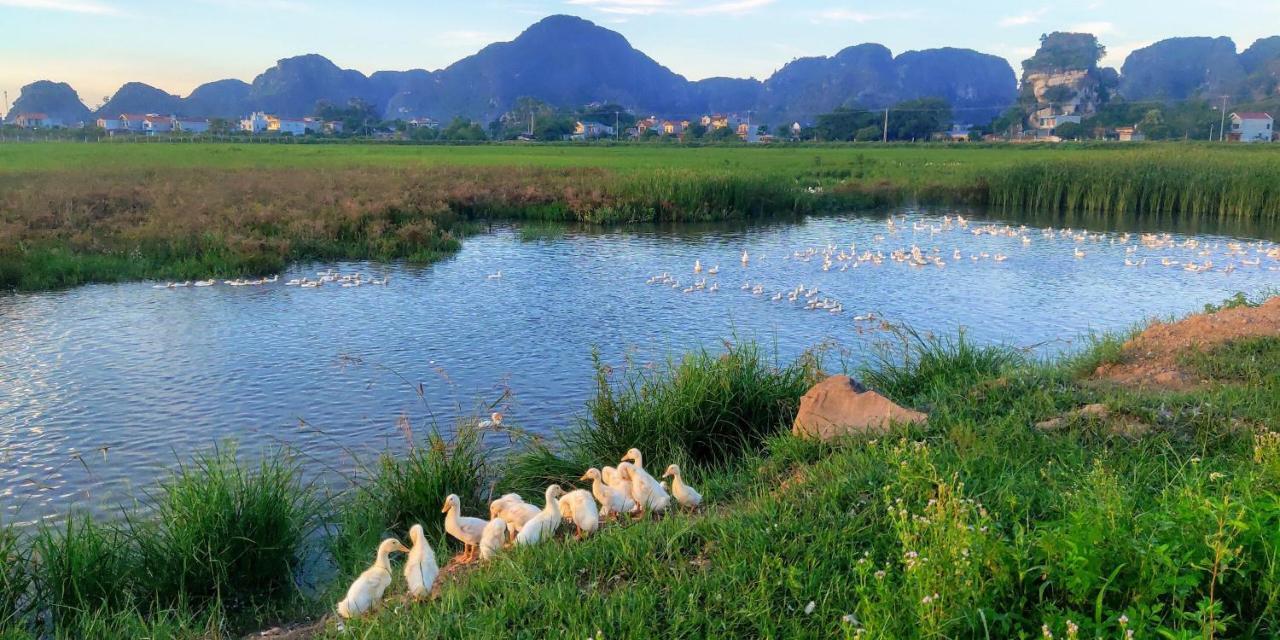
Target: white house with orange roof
{"x":1249,"y":126}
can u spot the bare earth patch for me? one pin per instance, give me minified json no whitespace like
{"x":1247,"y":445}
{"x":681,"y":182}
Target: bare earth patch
{"x":1151,"y":359}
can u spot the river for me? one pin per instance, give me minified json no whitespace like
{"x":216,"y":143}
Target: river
{"x":104,"y":388}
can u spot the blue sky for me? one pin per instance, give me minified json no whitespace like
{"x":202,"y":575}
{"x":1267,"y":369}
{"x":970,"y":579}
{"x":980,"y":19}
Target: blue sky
{"x":97,"y":45}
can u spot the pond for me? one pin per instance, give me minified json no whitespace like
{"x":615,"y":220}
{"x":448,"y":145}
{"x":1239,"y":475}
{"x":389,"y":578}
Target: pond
{"x":104,"y":388}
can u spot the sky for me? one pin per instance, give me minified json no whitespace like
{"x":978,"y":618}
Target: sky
{"x":97,"y":45}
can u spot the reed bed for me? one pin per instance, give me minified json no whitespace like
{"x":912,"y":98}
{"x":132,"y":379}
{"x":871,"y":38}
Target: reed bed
{"x":1188,"y":183}
{"x":74,"y":214}
{"x":220,"y":535}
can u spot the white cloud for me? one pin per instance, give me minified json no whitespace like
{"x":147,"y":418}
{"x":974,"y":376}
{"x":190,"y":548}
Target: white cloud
{"x":459,"y":38}
{"x":1117,"y":53}
{"x":650,"y":7}
{"x":1096,"y":28}
{"x":1023,"y":19}
{"x":861,"y":17}
{"x":295,"y":6}
{"x":66,"y":6}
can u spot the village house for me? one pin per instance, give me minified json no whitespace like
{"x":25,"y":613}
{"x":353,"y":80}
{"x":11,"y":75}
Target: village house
{"x":191,"y":125}
{"x":675,"y":127}
{"x":36,"y":121}
{"x":1045,"y":124}
{"x":959,"y":133}
{"x":256,"y":122}
{"x":1252,"y":127}
{"x":715,"y":121}
{"x":124,"y":123}
{"x":154,"y":124}
{"x":1129,"y":134}
{"x":642,"y":126}
{"x":586,"y":130}
{"x":292,"y":126}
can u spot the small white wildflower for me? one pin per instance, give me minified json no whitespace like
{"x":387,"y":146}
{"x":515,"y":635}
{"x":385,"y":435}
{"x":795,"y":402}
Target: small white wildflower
{"x":808,"y":608}
{"x":1124,"y":620}
{"x":880,"y":575}
{"x":1044,"y":630}
{"x":1215,"y":476}
{"x":849,"y":618}
{"x":1195,"y":460}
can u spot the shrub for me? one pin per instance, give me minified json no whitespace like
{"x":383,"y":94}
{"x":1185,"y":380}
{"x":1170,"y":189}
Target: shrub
{"x":224,"y":528}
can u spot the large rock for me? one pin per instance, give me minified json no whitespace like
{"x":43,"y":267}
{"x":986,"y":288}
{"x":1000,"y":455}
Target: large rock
{"x":840,"y":406}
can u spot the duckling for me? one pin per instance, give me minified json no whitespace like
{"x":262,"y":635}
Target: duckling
{"x":579,"y":506}
{"x":644,"y":489}
{"x":365,"y":594}
{"x":612,"y":501}
{"x":493,"y":538}
{"x":614,"y":479}
{"x":420,"y":568}
{"x":468,"y":530}
{"x":543,"y":526}
{"x":514,"y":511}
{"x":686,"y":495}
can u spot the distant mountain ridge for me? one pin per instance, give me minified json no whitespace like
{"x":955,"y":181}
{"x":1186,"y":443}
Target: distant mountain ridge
{"x":568,"y":61}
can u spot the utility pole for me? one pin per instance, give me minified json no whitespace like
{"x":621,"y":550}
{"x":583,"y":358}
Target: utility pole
{"x":6,"y":105}
{"x":1223,"y":127}
{"x":748,"y":125}
{"x":617,"y":121}
{"x":886,"y":125}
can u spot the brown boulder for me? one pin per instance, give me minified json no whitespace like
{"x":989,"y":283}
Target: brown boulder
{"x":839,"y":406}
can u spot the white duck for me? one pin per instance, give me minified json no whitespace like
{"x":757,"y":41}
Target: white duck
{"x":647,"y":492}
{"x":493,"y":538}
{"x":421,"y":568}
{"x":468,"y":530}
{"x":513,"y":510}
{"x":543,"y":526}
{"x":612,"y":478}
{"x":365,"y":594}
{"x":612,"y":501}
{"x":686,"y":495}
{"x":579,"y":506}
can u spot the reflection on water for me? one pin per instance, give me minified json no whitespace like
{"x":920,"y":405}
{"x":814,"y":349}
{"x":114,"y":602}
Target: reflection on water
{"x":106,"y":386}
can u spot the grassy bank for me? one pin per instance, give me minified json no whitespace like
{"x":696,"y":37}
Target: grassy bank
{"x":1158,"y":516}
{"x":79,"y":213}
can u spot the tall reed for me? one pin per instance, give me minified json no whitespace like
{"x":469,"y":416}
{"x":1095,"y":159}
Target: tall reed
{"x":15,"y":579}
{"x":408,"y":490}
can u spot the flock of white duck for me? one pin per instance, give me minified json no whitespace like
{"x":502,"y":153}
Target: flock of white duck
{"x":627,"y":489}
{"x":1191,"y":255}
{"x":328,"y":277}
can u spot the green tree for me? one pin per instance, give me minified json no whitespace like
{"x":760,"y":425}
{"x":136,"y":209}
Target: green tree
{"x":609,"y":114}
{"x":869,"y":133}
{"x":844,"y":123}
{"x":919,"y":119}
{"x":357,"y":116}
{"x":1069,"y":131}
{"x":462,"y":129}
{"x":722,"y":134}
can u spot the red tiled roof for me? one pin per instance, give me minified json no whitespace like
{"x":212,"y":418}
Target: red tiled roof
{"x":1252,"y":115}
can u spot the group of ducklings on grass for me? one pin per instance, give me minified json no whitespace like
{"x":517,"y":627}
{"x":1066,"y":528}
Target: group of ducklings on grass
{"x":625,"y":490}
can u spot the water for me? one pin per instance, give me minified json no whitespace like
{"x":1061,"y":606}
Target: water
{"x":103,"y":388}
